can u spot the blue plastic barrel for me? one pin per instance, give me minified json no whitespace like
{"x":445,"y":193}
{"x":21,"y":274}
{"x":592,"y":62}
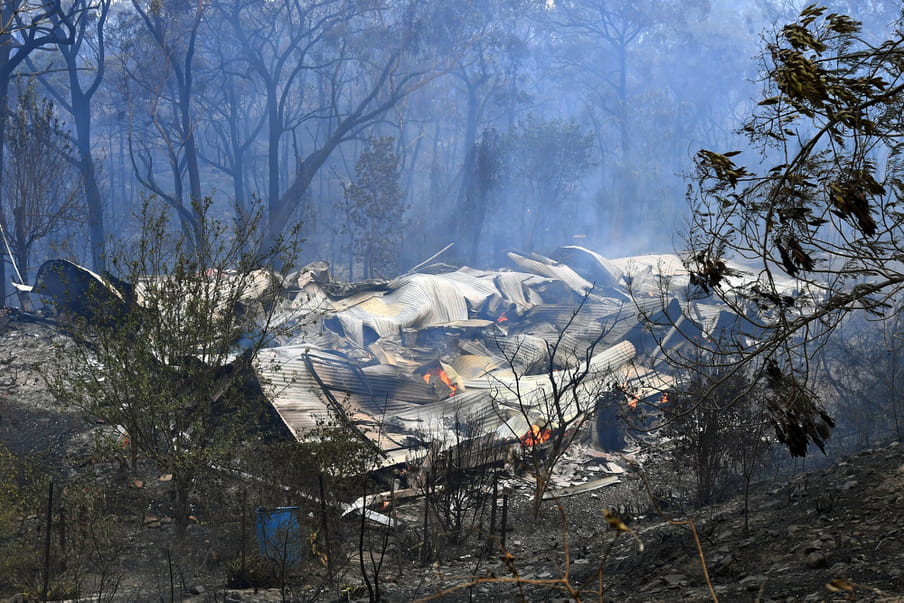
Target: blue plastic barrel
{"x":279,"y":534}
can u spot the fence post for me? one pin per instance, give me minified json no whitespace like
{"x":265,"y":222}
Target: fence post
{"x":44,"y":592}
{"x":504,"y":525}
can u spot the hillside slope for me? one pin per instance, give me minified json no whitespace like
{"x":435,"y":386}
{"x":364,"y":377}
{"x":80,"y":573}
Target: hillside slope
{"x":843,"y":523}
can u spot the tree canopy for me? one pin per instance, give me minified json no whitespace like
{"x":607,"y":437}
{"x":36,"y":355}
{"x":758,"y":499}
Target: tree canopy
{"x":168,"y":357}
{"x":815,"y":218}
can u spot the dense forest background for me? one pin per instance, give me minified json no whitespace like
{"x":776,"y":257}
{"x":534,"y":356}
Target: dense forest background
{"x":388,"y":128}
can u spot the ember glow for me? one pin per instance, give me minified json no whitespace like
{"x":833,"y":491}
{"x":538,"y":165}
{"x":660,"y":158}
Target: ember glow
{"x":441,"y":374}
{"x":536,"y":435}
{"x":502,"y":318}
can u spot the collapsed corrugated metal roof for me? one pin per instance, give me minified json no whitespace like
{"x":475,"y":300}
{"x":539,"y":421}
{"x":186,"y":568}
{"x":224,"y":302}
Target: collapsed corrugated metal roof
{"x":431,"y":355}
{"x":414,"y":359}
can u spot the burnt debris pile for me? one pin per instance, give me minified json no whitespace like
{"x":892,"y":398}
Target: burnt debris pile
{"x":513,"y":354}
{"x":445,"y":354}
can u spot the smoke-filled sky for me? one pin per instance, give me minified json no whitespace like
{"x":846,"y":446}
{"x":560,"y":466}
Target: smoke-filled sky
{"x":388,"y":129}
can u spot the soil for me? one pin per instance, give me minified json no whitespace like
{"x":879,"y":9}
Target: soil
{"x":833,"y":533}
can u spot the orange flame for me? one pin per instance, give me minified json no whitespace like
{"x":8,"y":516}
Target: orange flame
{"x":536,"y":435}
{"x":442,"y":377}
{"x":502,"y":318}
{"x":631,"y":395}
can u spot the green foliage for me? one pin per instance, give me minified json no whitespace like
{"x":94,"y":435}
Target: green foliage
{"x":331,"y":452}
{"x":40,"y":184}
{"x":97,"y":540}
{"x":375,"y":208}
{"x":21,"y":486}
{"x":87,"y":549}
{"x":12,"y":500}
{"x":173,"y":365}
{"x":13,"y":509}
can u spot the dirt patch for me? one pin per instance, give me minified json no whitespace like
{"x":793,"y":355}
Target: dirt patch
{"x":841,"y":523}
{"x":32,"y":424}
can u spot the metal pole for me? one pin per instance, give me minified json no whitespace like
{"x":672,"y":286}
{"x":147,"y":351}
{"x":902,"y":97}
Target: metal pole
{"x":9,"y":252}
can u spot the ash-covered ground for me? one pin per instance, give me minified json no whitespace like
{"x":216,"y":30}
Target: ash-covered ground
{"x":835,"y":533}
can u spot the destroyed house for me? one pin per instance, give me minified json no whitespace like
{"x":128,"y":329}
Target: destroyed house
{"x":446,"y":354}
{"x":410,"y":361}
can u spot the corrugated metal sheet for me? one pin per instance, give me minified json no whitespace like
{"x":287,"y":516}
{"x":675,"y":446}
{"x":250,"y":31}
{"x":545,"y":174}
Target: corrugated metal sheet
{"x":518,"y":288}
{"x":548,"y":267}
{"x":653,"y":275}
{"x":473,"y":366}
{"x":591,"y":265}
{"x":449,"y":317}
{"x":415,"y":301}
{"x":291,"y":389}
{"x":523,"y":400}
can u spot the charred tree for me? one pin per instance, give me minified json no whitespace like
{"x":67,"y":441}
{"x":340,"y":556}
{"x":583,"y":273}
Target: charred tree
{"x":75,"y":95}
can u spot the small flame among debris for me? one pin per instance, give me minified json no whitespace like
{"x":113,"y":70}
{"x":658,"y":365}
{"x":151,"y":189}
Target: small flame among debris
{"x":536,"y":435}
{"x":442,"y":377}
{"x":501,"y":318}
{"x":631,"y":395}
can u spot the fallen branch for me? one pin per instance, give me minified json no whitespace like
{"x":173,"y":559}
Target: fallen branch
{"x":563,"y":582}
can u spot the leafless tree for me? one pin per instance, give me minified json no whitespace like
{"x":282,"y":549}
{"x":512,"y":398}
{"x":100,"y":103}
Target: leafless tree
{"x":84,"y":57}
{"x":716,"y":430}
{"x":158,"y":55}
{"x":552,"y":406}
{"x":27,"y":26}
{"x":457,"y":478}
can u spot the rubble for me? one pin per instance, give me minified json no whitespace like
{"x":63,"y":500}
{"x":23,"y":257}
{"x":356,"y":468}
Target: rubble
{"x":447,"y":354}
{"x":412,"y":360}
{"x":858,"y":534}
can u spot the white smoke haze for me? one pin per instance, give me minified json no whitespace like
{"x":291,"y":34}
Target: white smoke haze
{"x":390,"y":130}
